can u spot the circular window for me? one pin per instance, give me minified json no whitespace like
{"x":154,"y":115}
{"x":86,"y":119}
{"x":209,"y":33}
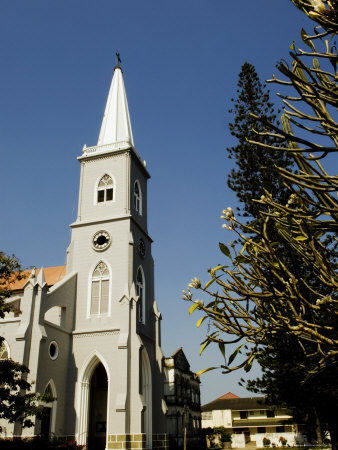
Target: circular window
{"x":101,"y":241}
{"x":53,"y":350}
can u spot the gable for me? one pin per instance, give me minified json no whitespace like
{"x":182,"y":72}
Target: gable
{"x":52,"y":276}
{"x":180,"y":360}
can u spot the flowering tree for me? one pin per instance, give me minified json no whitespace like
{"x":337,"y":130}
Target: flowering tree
{"x":257,"y":294}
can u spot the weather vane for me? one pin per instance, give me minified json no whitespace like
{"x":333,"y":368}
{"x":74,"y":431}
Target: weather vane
{"x":118,"y":59}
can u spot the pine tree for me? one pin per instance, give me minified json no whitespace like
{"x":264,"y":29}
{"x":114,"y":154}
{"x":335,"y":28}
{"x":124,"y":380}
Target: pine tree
{"x":277,"y":299}
{"x":283,"y":375}
{"x":256,"y":167}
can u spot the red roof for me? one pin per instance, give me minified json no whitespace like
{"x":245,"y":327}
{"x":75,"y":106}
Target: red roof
{"x":52,"y":276}
{"x":228,"y":395}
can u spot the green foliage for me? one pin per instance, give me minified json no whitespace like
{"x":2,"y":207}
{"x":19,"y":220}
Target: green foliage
{"x":266,"y":442}
{"x":224,"y":435}
{"x":277,"y":297}
{"x":9,"y":265}
{"x":38,"y":444}
{"x":284,"y":278}
{"x":313,"y":403}
{"x":256,"y":167}
{"x":17,"y":402}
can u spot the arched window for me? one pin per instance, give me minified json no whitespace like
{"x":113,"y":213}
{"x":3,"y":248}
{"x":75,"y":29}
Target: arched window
{"x":138,"y":197}
{"x":105,"y":189}
{"x":140,"y":290}
{"x":48,"y":391}
{"x":100,"y":290}
{"x":4,"y":350}
{"x":49,"y":411}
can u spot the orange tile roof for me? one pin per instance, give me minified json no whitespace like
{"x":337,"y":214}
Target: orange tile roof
{"x":52,"y":276}
{"x":228,"y":395}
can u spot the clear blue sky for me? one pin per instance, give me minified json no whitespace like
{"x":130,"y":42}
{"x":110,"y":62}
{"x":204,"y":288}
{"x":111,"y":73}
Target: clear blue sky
{"x":181,"y":59}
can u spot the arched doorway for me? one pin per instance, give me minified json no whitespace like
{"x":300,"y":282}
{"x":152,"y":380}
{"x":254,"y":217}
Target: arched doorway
{"x":49,"y":412}
{"x":147,"y":397}
{"x":97,"y":424}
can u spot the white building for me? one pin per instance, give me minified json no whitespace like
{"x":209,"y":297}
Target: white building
{"x":89,"y":331}
{"x":250,"y":420}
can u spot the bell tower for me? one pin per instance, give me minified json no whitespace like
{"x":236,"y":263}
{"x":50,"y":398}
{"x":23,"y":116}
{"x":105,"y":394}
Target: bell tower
{"x":116,"y":348}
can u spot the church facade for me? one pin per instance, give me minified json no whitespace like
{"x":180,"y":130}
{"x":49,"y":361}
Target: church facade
{"x":90,"y":331}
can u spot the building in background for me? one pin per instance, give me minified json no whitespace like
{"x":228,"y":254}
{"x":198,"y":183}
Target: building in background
{"x":249,"y":421}
{"x":182,"y":396}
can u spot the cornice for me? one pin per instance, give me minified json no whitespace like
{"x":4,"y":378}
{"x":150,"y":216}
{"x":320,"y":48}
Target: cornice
{"x":111,"y":219}
{"x":98,"y":221}
{"x":91,"y":154}
{"x":89,"y":333}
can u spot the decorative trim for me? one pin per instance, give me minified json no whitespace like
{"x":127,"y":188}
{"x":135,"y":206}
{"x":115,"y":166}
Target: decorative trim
{"x":116,"y":146}
{"x":96,"y":333}
{"x":96,"y":222}
{"x":103,"y":155}
{"x":91,"y":154}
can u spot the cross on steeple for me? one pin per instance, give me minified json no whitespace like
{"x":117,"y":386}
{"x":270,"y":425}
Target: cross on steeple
{"x":118,"y":59}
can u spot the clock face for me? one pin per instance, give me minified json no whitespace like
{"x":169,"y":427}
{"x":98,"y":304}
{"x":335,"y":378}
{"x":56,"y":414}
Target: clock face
{"x":141,"y":248}
{"x":101,"y":241}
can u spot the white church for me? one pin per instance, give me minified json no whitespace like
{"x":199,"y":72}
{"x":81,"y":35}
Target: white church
{"x":89,"y":331}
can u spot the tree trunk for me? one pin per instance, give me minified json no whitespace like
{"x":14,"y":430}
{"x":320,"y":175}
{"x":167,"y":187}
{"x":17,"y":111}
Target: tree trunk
{"x":318,"y":428}
{"x":333,"y":429}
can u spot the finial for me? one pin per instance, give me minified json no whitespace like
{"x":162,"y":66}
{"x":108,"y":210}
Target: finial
{"x":118,"y":59}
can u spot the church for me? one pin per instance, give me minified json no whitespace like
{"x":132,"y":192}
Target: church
{"x":89,"y":331}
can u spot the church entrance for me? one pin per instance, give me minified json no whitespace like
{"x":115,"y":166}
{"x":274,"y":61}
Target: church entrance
{"x":45,"y":422}
{"x":147,"y":399}
{"x":98,"y":409}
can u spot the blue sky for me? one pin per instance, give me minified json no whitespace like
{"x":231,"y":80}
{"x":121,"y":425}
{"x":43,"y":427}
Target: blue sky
{"x":181,"y":61}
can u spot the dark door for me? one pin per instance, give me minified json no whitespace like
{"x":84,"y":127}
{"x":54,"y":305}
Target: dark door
{"x":98,"y":409}
{"x":45,"y":422}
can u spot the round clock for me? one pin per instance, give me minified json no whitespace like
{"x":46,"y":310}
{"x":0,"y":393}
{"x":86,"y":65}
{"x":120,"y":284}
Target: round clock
{"x":101,"y":241}
{"x":141,"y":248}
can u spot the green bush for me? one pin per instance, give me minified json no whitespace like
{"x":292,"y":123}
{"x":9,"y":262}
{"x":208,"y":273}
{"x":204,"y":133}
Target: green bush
{"x":38,"y":444}
{"x":266,"y":442}
{"x":223,"y":434}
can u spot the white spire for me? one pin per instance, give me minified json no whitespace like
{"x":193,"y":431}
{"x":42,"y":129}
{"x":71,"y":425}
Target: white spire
{"x":116,"y":125}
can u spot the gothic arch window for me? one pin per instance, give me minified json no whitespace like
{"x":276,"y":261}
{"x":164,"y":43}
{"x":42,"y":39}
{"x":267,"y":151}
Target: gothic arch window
{"x":140,"y":290}
{"x":147,"y":398}
{"x":4,"y":350}
{"x":48,"y":391}
{"x":105,"y":189}
{"x":49,"y":411}
{"x":138,"y":197}
{"x":99,"y":301}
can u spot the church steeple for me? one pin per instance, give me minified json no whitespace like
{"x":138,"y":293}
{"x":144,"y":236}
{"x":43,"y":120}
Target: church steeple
{"x":116,"y":127}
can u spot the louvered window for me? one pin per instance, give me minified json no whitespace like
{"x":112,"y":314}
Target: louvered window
{"x":140,"y":290}
{"x":100,"y":290}
{"x":138,"y":197}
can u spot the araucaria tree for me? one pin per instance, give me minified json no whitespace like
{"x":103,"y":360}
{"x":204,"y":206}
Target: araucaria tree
{"x":256,"y":297}
{"x":255,"y":173}
{"x":17,"y":402}
{"x":255,"y":166}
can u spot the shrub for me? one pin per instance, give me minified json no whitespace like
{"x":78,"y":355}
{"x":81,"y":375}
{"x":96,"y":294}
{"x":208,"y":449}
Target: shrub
{"x":38,"y":443}
{"x":266,"y":442}
{"x":283,"y":440}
